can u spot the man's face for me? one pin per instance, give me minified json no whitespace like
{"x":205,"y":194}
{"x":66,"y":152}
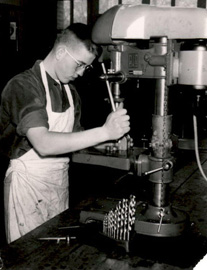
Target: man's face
{"x":73,"y":63}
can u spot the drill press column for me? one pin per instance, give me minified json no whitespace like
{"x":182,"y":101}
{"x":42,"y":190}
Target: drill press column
{"x":157,"y":217}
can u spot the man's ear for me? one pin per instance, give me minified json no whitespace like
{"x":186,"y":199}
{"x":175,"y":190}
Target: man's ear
{"x":60,"y":53}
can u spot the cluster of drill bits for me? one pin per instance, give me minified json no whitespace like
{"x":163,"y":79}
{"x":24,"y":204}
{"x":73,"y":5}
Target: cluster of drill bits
{"x":118,"y":222}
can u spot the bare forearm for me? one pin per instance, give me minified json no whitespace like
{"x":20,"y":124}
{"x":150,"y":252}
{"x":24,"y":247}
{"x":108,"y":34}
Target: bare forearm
{"x":55,"y":143}
{"x":47,"y":142}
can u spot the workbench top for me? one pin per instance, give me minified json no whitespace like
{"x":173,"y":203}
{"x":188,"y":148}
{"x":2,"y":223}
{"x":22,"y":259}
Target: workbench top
{"x":90,"y":251}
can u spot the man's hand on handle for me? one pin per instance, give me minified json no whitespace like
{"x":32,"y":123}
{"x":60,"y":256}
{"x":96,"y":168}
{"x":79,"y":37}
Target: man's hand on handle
{"x":117,"y":124}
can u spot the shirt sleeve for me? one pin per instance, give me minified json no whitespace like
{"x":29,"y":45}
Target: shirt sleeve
{"x":77,"y":109}
{"x":25,"y":103}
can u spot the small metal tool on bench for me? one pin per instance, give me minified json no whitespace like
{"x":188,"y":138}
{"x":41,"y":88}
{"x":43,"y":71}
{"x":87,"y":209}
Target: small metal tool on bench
{"x":58,"y":239}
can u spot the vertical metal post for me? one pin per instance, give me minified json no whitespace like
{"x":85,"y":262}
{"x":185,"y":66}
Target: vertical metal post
{"x":161,"y":97}
{"x":161,"y":125}
{"x":116,"y":66}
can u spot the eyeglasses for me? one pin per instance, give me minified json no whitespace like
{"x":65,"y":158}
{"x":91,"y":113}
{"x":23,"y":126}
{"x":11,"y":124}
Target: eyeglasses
{"x":79,"y":64}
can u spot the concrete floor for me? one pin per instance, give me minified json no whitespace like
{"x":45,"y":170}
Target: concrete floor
{"x":189,"y":192}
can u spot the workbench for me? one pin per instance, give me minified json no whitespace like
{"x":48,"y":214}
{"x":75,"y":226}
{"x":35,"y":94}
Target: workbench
{"x":92,"y":251}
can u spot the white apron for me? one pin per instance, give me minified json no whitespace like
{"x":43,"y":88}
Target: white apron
{"x":36,"y":188}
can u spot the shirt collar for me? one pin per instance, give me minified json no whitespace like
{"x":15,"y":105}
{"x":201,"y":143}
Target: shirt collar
{"x":36,"y":70}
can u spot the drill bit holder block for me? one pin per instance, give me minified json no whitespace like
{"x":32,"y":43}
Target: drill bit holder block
{"x":117,"y":222}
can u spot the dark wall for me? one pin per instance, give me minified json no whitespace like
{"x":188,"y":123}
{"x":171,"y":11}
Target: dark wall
{"x":39,"y":28}
{"x":36,"y":31}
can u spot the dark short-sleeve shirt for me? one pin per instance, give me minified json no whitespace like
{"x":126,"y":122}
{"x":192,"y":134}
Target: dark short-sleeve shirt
{"x":23,"y":106}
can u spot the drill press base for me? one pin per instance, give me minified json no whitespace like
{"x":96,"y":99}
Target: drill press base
{"x":174,"y":222}
{"x":147,"y":222}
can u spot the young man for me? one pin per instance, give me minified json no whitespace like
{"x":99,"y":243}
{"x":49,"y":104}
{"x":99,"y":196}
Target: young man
{"x":39,"y":124}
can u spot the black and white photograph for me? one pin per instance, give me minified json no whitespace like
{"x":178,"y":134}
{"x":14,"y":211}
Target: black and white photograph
{"x":103,"y":134}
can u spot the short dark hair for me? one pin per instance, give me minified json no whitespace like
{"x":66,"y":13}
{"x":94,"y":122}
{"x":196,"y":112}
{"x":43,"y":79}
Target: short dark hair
{"x":78,"y":32}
